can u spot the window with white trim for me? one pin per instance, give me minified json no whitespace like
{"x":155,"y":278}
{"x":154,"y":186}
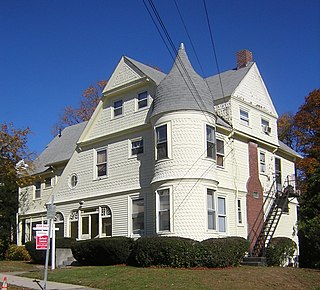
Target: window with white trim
{"x":161,"y":142}
{"x":117,"y":108}
{"x":136,"y":146}
{"x":73,"y":180}
{"x":37,"y":190}
{"x":210,"y":142}
{"x":244,"y":117}
{"x":262,"y":162}
{"x":142,"y":100}
{"x":106,"y":221}
{"x":74,"y":226}
{"x":220,"y":152}
{"x":163,"y":210}
{"x":277,"y":167}
{"x":239,"y":211}
{"x":211,"y":209}
{"x":222,"y":215}
{"x":101,"y":162}
{"x":137,"y":216}
{"x":47,"y":182}
{"x":59,"y":223}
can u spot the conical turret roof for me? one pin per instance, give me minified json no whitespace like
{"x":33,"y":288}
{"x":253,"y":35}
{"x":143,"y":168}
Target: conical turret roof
{"x":182,"y":89}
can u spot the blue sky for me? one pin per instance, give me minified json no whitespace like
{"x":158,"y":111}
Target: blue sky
{"x":50,"y":51}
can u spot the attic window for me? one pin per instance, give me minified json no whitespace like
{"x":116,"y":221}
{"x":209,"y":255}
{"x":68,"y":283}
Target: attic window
{"x":244,"y":117}
{"x":117,"y":108}
{"x":73,"y":180}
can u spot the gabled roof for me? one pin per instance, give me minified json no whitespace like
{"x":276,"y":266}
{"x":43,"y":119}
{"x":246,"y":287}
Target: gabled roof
{"x":156,"y":75}
{"x":59,"y":149}
{"x":182,"y":89}
{"x":288,"y":150}
{"x":230,"y":80}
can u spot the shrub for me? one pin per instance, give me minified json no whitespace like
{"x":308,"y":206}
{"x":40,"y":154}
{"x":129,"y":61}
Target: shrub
{"x":280,"y":250}
{"x":222,"y":252}
{"x":106,"y":251}
{"x":17,"y":253}
{"x":64,"y":243}
{"x":163,"y":251}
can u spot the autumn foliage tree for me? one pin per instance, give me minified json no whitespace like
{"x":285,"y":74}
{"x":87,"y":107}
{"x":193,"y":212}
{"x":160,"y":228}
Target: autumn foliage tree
{"x":87,"y":104}
{"x":15,"y":161}
{"x":302,"y":133}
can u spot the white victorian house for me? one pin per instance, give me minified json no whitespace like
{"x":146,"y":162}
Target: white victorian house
{"x":170,"y":154}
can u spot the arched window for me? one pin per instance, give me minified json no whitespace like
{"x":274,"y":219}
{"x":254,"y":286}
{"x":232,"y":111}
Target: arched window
{"x":59,"y":224}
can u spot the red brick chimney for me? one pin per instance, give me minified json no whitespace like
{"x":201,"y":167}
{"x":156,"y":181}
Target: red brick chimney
{"x":243,"y":58}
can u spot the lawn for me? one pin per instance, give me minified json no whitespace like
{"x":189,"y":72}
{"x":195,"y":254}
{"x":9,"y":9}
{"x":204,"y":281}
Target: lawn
{"x":124,"y":277}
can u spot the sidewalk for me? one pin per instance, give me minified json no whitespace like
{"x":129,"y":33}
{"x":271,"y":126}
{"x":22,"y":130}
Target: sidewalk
{"x":28,"y":283}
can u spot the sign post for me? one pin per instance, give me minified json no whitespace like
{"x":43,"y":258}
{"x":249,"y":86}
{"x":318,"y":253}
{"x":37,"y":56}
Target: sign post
{"x":51,"y":212}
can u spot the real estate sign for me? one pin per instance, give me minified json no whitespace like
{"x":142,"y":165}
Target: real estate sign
{"x":42,"y":238}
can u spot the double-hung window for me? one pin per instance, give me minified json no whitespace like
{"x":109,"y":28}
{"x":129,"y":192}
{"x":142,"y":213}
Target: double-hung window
{"x":136,"y":147}
{"x":210,"y":142}
{"x":37,"y":193}
{"x":138,"y":216}
{"x":117,"y":108}
{"x":142,"y":100}
{"x":161,"y":142}
{"x":211,"y":210}
{"x":244,"y":117}
{"x":222,"y":215}
{"x":262,"y":162}
{"x":47,"y":182}
{"x":101,"y":163}
{"x":164,"y":210}
{"x":239,"y":210}
{"x":220,"y":152}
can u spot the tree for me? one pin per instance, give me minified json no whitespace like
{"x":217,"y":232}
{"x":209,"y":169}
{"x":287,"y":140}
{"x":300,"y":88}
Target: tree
{"x":88,"y":102}
{"x":14,"y":172}
{"x":302,"y":133}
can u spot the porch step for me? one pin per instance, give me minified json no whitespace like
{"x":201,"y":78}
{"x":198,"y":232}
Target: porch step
{"x":254,"y":261}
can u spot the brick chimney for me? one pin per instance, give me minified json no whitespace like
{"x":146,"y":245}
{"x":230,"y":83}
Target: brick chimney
{"x":243,"y":58}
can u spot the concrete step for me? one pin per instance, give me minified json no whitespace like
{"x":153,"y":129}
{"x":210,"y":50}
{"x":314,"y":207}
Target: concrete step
{"x":254,"y":261}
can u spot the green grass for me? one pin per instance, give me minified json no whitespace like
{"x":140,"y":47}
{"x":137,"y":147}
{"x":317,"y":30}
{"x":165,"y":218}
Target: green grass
{"x":124,"y":277}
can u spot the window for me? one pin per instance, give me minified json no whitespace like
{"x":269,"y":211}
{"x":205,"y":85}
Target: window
{"x":239,"y":211}
{"x":102,"y":162}
{"x":142,"y":100}
{"x":74,"y":224}
{"x":277,"y":166}
{"x":210,"y":138}
{"x":117,"y":108}
{"x":265,"y":126}
{"x":106,"y":221}
{"x":211,"y":210}
{"x":164,"y":210}
{"x":90,"y":223}
{"x":138,"y":216}
{"x":47,"y":182}
{"x":59,"y":223}
{"x":73,"y":180}
{"x":37,"y":193}
{"x":262,"y":162}
{"x":244,"y":117}
{"x":161,"y":142}
{"x":222,"y":214}
{"x":136,"y":147}
{"x":220,"y":152}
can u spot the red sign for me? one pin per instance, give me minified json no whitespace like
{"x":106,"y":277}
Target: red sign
{"x":41,"y":240}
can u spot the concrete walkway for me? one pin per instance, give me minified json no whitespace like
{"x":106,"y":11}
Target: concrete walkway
{"x":12,"y":279}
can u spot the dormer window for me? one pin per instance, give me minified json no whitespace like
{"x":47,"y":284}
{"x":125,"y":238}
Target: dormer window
{"x":265,"y":126}
{"x":118,"y":108}
{"x":142,"y":100}
{"x":37,"y":192}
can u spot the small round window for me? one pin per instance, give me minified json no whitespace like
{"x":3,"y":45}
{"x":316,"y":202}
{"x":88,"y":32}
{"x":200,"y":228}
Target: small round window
{"x":73,"y":180}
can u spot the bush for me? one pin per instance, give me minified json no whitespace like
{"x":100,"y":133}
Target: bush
{"x":17,"y":253}
{"x":222,"y":252}
{"x":163,"y":251}
{"x":106,"y":251}
{"x":280,"y":250}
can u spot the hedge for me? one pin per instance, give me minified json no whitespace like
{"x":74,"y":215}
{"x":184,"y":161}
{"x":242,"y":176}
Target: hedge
{"x":280,"y":250}
{"x":182,"y":252}
{"x":105,"y":251}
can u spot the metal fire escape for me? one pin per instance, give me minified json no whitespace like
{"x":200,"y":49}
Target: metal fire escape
{"x":275,"y":203}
